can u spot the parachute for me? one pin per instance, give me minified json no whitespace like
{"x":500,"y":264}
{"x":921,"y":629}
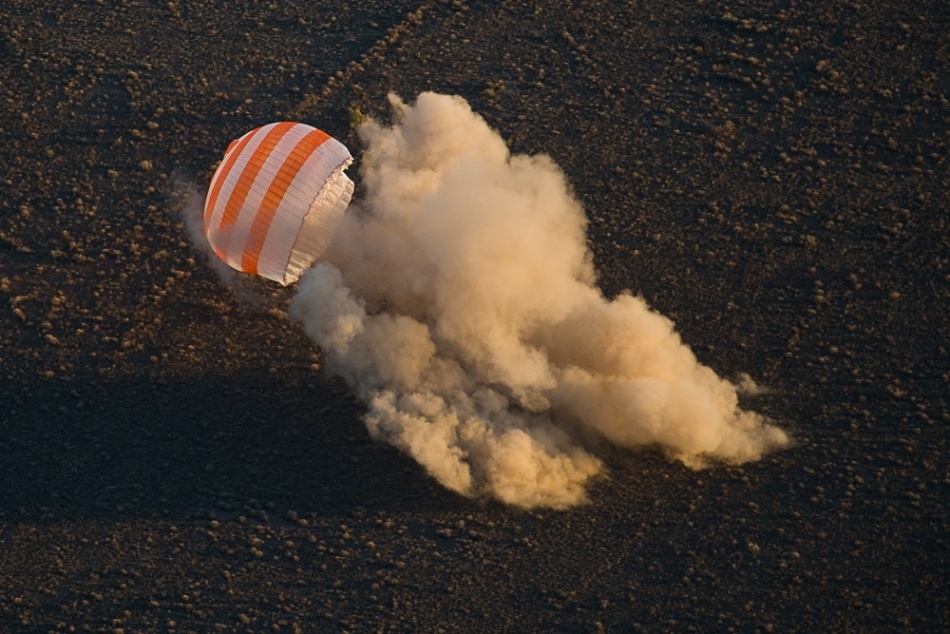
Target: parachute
{"x":276,"y":200}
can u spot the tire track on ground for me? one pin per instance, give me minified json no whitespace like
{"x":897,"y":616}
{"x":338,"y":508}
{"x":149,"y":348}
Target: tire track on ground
{"x":374,"y":54}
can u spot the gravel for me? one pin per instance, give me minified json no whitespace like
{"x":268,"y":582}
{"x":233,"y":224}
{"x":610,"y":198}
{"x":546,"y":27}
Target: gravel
{"x":773,"y":176}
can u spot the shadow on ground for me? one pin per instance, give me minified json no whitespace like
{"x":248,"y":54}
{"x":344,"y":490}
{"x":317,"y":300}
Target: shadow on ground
{"x":250,"y":443}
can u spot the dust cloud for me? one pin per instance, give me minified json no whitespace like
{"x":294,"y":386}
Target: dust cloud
{"x":459,"y":301}
{"x":186,"y":202}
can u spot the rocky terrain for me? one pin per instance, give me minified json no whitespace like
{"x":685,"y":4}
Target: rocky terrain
{"x":773,"y":176}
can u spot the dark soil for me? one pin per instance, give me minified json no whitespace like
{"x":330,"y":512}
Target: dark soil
{"x":772,"y":175}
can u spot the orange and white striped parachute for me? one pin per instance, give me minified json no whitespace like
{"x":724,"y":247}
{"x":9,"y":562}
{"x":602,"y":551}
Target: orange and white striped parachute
{"x":276,"y":200}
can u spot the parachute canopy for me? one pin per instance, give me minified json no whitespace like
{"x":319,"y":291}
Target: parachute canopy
{"x":276,"y":200}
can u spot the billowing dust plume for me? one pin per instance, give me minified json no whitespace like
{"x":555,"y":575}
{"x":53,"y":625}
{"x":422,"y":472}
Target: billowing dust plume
{"x":459,"y":301}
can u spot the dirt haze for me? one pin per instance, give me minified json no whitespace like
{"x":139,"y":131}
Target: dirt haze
{"x":174,"y":455}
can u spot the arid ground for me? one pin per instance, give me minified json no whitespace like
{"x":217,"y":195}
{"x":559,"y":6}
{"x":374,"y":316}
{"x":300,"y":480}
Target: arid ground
{"x":773,"y":176}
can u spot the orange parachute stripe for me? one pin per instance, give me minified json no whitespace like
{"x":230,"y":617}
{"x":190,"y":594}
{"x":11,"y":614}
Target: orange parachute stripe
{"x":276,"y":199}
{"x":249,"y":173}
{"x":275,"y":195}
{"x":234,"y":151}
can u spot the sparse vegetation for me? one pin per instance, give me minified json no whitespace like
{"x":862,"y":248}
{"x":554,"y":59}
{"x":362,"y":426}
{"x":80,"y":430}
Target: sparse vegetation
{"x":772,"y":174}
{"x":357,"y":117}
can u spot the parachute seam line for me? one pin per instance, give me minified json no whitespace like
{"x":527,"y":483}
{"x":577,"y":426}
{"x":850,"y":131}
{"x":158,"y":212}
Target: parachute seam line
{"x":334,"y":175}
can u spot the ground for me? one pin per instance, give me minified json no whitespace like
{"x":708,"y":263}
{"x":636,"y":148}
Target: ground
{"x":772,"y":175}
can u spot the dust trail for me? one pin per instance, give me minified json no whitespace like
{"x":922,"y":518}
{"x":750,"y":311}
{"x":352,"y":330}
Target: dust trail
{"x":459,"y":301}
{"x":186,"y":201}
